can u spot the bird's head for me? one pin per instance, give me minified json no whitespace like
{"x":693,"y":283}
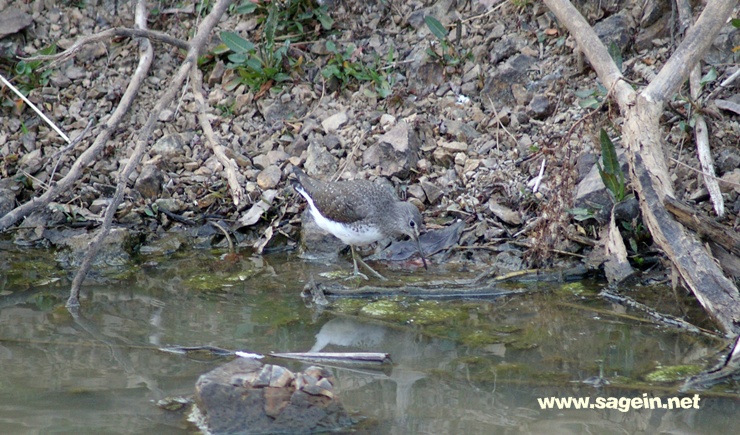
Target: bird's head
{"x":411,"y":223}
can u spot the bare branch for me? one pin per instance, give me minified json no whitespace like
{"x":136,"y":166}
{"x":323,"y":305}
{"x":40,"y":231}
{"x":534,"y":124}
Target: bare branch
{"x":230,"y":167}
{"x":196,"y":45}
{"x":87,"y":157}
{"x":649,"y":172}
{"x":697,"y":41}
{"x":108,"y":34}
{"x":145,"y":61}
{"x":591,"y":46}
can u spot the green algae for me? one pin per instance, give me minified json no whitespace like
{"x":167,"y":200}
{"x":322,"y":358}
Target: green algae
{"x":673,"y":373}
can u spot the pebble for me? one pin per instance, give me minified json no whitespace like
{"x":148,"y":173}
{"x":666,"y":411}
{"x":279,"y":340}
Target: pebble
{"x":387,"y":120}
{"x":454,"y":146}
{"x":269,"y":178}
{"x":334,"y":122}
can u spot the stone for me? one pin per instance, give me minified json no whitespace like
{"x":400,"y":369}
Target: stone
{"x":504,"y":213}
{"x":731,"y":181}
{"x":617,"y":29}
{"x":277,"y":110}
{"x":332,"y":142}
{"x":334,"y":122}
{"x":13,"y":20}
{"x":8,"y":189}
{"x":169,"y":146}
{"x":387,"y":120}
{"x":454,"y":147}
{"x":31,"y":162}
{"x":540,"y":107}
{"x":75,"y":73}
{"x":269,"y":178}
{"x":508,"y":46}
{"x":461,"y":130}
{"x":591,"y":193}
{"x":442,"y":157}
{"x":498,"y":86}
{"x":319,"y":161}
{"x":433,"y":193}
{"x":657,"y":30}
{"x":229,"y":401}
{"x":315,"y":242}
{"x":416,"y":191}
{"x":216,"y":74}
{"x":521,"y":95}
{"x":275,"y":157}
{"x":428,"y":77}
{"x":149,"y":182}
{"x":395,"y":152}
{"x":112,"y":253}
{"x":261,"y":161}
{"x":728,"y":160}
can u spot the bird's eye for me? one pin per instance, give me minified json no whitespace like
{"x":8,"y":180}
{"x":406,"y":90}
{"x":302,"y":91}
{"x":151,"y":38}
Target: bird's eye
{"x":412,"y":224}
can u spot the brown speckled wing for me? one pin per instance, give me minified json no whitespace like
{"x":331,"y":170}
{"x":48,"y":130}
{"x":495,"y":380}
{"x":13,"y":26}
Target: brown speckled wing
{"x":346,"y":201}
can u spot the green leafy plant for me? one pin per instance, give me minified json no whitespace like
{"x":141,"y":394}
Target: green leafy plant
{"x":261,"y":65}
{"x":446,"y":53}
{"x":616,"y":54}
{"x":28,"y":77}
{"x":346,"y":66}
{"x":294,"y":17}
{"x":203,"y":7}
{"x":519,"y":4}
{"x":591,"y":98}
{"x":264,"y":65}
{"x":709,"y":77}
{"x":581,"y":214}
{"x":637,"y":235}
{"x":611,"y":173}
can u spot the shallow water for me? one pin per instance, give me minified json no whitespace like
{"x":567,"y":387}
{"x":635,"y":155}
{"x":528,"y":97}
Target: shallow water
{"x":459,"y":366}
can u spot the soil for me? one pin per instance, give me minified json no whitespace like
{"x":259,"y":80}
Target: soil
{"x":498,"y":135}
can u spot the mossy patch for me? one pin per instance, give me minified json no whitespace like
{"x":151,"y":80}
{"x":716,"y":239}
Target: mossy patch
{"x":480,"y":338}
{"x":385,"y":309}
{"x":672,"y":373}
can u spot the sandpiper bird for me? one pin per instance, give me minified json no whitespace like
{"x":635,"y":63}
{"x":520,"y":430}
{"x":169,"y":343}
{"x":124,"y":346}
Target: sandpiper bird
{"x":359,"y":212}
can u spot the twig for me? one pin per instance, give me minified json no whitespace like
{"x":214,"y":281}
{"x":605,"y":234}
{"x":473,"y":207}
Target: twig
{"x":485,"y":14}
{"x":230,"y":167}
{"x":704,"y":174}
{"x":35,"y":109}
{"x":147,"y":54}
{"x":89,"y":155}
{"x":665,"y":319}
{"x":728,"y":81}
{"x":226,"y":234}
{"x":196,"y":45}
{"x":701,"y":131}
{"x":349,"y":156}
{"x":108,"y":34}
{"x":498,"y":121}
{"x":59,"y":154}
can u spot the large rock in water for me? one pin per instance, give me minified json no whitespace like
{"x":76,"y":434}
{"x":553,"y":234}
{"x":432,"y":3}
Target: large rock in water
{"x":245,"y":397}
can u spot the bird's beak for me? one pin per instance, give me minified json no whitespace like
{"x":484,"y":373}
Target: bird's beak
{"x":421,"y":252}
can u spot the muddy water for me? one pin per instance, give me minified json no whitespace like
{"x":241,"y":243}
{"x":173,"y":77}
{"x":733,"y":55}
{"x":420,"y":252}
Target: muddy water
{"x":459,"y":366}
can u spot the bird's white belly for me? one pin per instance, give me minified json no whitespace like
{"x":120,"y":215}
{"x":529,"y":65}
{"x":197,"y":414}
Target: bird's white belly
{"x":361,"y":235}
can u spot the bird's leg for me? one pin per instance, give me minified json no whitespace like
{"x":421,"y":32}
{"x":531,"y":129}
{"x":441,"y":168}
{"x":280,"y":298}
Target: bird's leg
{"x":356,"y":258}
{"x":357,"y":271}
